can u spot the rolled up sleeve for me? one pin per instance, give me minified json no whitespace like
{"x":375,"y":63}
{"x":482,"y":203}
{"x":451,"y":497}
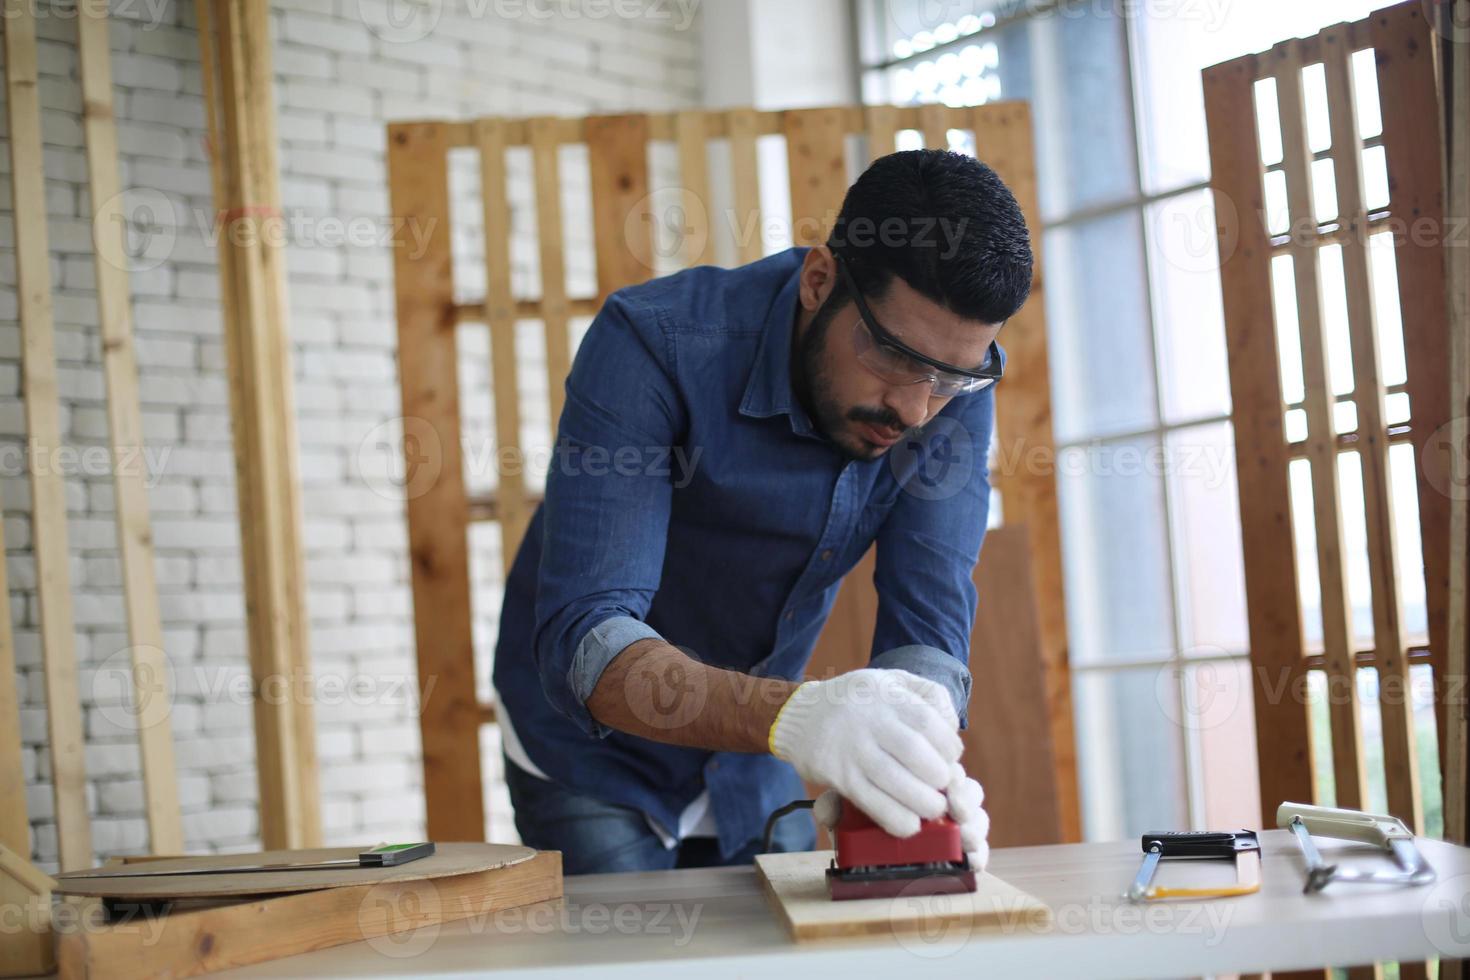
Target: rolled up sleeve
{"x":927,"y":550}
{"x":606,"y":516}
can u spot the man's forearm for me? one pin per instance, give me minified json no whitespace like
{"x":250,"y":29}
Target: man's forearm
{"x":657,"y":691}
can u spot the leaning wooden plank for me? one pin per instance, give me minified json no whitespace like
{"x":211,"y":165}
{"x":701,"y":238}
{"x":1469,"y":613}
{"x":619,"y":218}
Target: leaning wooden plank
{"x":1273,"y":609}
{"x":190,"y":943}
{"x":1403,"y":51}
{"x":617,"y":154}
{"x":1008,"y":743}
{"x":449,"y":721}
{"x":43,"y":424}
{"x":817,"y":163}
{"x":27,"y":942}
{"x":555,"y":320}
{"x":1003,"y":139}
{"x":1457,"y":724}
{"x":512,"y":509}
{"x":151,"y":679}
{"x":1400,"y":759}
{"x":235,"y":50}
{"x":1337,"y":628}
{"x":14,"y":824}
{"x":691,"y":125}
{"x":745,"y":174}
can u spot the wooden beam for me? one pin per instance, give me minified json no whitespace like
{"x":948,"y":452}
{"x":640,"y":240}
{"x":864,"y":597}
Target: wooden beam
{"x":43,"y":426}
{"x":1283,"y":726}
{"x":151,"y":702}
{"x":514,"y":511}
{"x":1321,"y":444}
{"x":694,"y":180}
{"x":1004,"y":140}
{"x":617,"y":153}
{"x":816,"y":162}
{"x":428,"y":361}
{"x":745,"y":175}
{"x":240,"y":109}
{"x":15,"y":828}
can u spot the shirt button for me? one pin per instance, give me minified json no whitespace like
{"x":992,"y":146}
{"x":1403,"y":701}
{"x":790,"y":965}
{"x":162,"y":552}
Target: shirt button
{"x":790,"y":613}
{"x":827,"y":555}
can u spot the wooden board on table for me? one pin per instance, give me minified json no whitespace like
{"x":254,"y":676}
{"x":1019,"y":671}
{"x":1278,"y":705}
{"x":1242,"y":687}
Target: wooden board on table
{"x":446,"y":861}
{"x":409,"y":908}
{"x":797,"y":887}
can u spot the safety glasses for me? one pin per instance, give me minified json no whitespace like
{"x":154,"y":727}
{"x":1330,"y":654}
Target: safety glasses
{"x":897,"y":363}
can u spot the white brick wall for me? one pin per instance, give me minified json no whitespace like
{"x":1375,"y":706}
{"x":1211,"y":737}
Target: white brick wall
{"x":343,"y":68}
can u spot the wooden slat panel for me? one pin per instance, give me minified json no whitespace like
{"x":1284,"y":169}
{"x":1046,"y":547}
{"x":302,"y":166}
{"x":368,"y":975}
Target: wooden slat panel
{"x":525,"y":309}
{"x":1321,"y":447}
{"x":1401,"y":761}
{"x":500,"y":314}
{"x":1003,"y":139}
{"x":243,"y":135}
{"x":1008,"y":744}
{"x":694,"y":178}
{"x":816,"y":161}
{"x":555,"y":320}
{"x":43,"y":427}
{"x":124,"y":415}
{"x":745,"y":175}
{"x":14,"y":823}
{"x":617,"y":152}
{"x":882,"y":131}
{"x":1407,"y":90}
{"x":1283,"y":730}
{"x":934,"y":121}
{"x":449,"y":721}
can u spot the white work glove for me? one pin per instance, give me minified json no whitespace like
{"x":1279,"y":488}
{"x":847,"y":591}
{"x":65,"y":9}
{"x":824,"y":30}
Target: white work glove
{"x":964,"y":796}
{"x":885,"y":739}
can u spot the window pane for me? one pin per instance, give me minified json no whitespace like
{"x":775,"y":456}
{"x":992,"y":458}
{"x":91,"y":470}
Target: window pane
{"x":1115,"y":550}
{"x":1206,"y":524}
{"x":1170,"y":52}
{"x":1101,"y":357}
{"x":1221,"y":716}
{"x":1189,"y":322}
{"x":1130,"y":755}
{"x":1075,"y":76}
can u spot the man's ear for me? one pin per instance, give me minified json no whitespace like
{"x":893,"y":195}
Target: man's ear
{"x":818,"y":277}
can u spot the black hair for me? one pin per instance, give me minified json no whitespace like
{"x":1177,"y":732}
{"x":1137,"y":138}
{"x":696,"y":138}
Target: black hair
{"x":945,"y":224}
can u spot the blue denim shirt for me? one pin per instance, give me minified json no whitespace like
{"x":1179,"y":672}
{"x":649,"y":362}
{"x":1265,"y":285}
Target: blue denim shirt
{"x":690,"y":498}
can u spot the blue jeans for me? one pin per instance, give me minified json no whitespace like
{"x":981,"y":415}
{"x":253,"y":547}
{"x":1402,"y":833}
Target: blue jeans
{"x":594,"y":836}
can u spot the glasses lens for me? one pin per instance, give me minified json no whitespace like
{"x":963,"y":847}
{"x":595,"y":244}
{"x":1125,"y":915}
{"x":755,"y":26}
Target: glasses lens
{"x":887,"y":363}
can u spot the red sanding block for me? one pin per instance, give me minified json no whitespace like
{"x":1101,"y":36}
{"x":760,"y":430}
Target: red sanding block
{"x":872,"y":863}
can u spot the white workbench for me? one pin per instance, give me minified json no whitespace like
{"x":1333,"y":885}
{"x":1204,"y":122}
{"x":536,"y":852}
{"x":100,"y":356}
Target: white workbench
{"x":718,"y":922}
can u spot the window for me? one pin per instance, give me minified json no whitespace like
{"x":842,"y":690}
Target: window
{"x":1155,"y":588}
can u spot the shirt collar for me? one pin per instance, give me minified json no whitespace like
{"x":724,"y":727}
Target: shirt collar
{"x":769,"y":391}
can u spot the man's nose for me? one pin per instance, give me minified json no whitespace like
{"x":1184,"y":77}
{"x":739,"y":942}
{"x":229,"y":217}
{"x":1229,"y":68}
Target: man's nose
{"x":910,"y":402}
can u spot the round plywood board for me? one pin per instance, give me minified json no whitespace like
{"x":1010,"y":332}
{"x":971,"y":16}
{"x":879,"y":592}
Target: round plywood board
{"x":447,"y":859}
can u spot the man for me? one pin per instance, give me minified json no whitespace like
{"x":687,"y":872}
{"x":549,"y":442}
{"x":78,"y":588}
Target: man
{"x":733,"y":442}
